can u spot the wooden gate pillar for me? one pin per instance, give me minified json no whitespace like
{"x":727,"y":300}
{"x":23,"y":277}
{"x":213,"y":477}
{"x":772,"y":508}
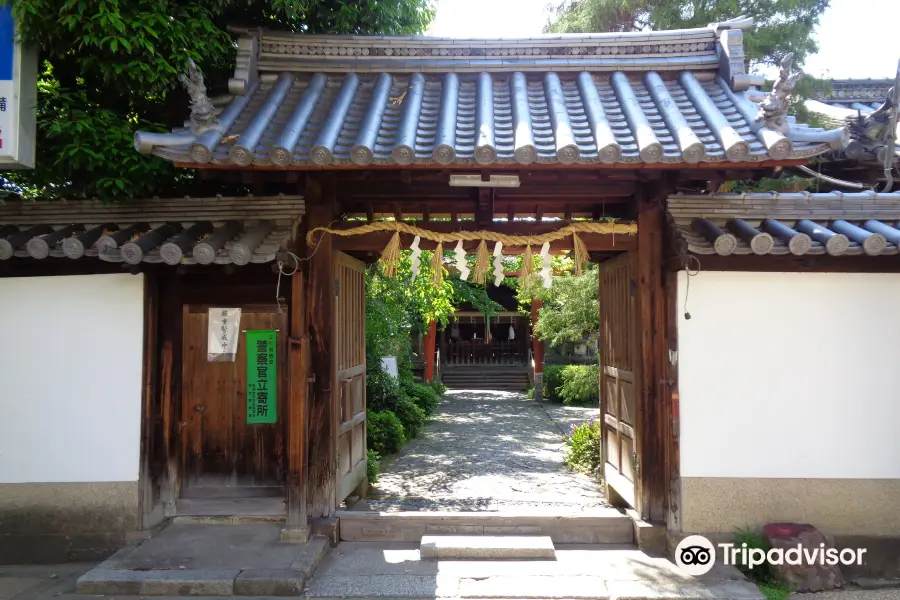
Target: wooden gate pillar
{"x":321,"y":479}
{"x":652,"y":422}
{"x":538,"y":350}
{"x":430,"y":338}
{"x":298,"y":405}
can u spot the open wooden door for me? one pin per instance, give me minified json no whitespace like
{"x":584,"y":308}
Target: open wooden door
{"x":619,"y":382}
{"x":350,"y":355}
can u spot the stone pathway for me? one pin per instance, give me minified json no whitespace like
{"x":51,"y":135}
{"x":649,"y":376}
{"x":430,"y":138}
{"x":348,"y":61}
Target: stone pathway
{"x":485,"y":451}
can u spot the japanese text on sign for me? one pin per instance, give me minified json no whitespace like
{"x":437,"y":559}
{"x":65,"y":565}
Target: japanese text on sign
{"x":222,"y":336}
{"x":261,"y":377}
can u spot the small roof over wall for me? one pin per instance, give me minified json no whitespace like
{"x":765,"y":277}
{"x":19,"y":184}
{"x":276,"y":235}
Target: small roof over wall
{"x":803,"y":223}
{"x":303,"y":101}
{"x":171,"y":231}
{"x":864,"y":107}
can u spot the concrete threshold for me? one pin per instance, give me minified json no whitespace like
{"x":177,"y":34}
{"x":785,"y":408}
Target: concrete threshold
{"x":596,"y":526}
{"x":486,"y":547}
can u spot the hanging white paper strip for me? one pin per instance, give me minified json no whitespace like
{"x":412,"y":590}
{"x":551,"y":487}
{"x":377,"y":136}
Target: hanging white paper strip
{"x":546,"y":273}
{"x":222,"y":334}
{"x":498,"y":264}
{"x":460,"y":253}
{"x":415,"y":257}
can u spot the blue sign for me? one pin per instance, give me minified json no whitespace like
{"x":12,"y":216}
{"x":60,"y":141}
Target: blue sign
{"x":7,"y":43}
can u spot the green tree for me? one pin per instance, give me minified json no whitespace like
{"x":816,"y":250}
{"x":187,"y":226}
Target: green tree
{"x":782,"y":26}
{"x":109,"y":67}
{"x":571,"y":309}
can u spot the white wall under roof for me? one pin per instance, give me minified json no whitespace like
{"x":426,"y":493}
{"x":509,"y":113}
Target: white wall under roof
{"x":790,"y":375}
{"x":70,"y":378}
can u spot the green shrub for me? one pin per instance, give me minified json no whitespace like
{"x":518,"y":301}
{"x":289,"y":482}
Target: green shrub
{"x":409,"y":413}
{"x":764,"y":575}
{"x":382,"y":390}
{"x":552,"y":382}
{"x":424,"y":396}
{"x":384,"y":432}
{"x":438,"y":387}
{"x":373,"y":466}
{"x":583,"y":448}
{"x":581,"y":384}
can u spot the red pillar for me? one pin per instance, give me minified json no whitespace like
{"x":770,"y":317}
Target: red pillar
{"x":538,"y":345}
{"x":430,"y":337}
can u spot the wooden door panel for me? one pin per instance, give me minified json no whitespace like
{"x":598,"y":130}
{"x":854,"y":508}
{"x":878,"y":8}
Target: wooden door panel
{"x":219,"y":447}
{"x":618,"y":365}
{"x":350,"y":355}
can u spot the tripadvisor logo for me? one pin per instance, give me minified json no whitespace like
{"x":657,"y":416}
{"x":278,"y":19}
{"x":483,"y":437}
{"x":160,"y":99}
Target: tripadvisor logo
{"x":696,"y":555}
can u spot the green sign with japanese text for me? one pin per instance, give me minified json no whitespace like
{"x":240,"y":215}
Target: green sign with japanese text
{"x":261,"y":377}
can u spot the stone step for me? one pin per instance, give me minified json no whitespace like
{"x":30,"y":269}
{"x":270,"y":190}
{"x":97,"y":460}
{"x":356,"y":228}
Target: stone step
{"x":594,"y":526}
{"x":487,"y":546}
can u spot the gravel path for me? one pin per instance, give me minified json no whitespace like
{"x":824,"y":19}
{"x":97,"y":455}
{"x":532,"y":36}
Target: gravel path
{"x":485,"y":451}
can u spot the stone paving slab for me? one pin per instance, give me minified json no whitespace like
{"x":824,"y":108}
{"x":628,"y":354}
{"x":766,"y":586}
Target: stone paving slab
{"x":616,"y":572}
{"x":485,"y":451}
{"x":11,"y":587}
{"x":534,"y":586}
{"x":208,"y":560}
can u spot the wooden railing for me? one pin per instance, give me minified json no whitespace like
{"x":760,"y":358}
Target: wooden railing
{"x":479,"y":352}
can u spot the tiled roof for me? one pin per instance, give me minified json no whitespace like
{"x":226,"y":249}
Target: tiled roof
{"x":655,"y":97}
{"x":797,"y":223}
{"x":177,"y":231}
{"x":865,"y":94}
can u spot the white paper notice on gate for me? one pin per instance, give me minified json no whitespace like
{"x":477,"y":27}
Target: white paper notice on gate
{"x":224,"y":327}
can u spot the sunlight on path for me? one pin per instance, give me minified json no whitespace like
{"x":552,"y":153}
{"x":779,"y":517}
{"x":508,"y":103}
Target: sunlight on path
{"x":486,"y":451}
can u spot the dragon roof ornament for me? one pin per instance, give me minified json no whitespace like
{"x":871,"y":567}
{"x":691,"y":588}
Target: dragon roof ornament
{"x":203,"y":114}
{"x":773,"y":110}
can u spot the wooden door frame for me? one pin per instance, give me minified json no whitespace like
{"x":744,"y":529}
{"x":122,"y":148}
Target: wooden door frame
{"x":282,"y":366}
{"x":653,"y":420}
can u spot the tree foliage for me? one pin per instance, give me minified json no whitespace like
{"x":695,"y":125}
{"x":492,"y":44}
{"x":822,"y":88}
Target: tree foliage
{"x":109,"y":67}
{"x":571,"y":309}
{"x":782,"y":26}
{"x":398,"y":305}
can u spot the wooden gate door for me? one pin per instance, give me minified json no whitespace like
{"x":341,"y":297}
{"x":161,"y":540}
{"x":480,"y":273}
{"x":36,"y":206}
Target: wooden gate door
{"x":619,"y":357}
{"x":220,"y":449}
{"x":350,"y":354}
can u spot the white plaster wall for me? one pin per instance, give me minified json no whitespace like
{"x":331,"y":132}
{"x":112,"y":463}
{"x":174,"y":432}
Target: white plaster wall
{"x":70,"y":378}
{"x":790,"y":375}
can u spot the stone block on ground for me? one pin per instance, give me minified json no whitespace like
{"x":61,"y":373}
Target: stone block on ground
{"x":804,"y":577}
{"x":267,"y":582}
{"x":487,"y":546}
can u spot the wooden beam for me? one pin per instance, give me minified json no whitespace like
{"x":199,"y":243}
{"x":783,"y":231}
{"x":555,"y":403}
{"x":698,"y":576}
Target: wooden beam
{"x":652,"y":422}
{"x":536,"y":167}
{"x":322,"y":477}
{"x":151,"y":432}
{"x":484,"y":207}
{"x":673,"y":448}
{"x":298,"y":401}
{"x":170,"y":351}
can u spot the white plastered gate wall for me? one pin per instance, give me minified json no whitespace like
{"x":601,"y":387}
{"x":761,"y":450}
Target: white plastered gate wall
{"x":71,"y":353}
{"x":789,"y":390}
